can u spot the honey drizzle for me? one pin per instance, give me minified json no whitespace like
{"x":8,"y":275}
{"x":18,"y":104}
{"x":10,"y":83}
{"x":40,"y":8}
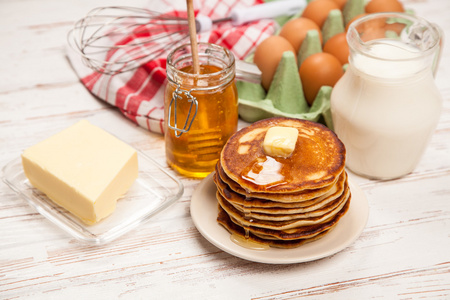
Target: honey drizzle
{"x":247,"y":216}
{"x":245,"y":241}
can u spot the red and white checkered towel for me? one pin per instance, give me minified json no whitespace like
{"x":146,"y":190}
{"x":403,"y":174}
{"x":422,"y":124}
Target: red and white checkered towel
{"x":139,"y":94}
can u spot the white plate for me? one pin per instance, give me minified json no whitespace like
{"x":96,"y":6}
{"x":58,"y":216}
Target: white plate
{"x":204,"y":214}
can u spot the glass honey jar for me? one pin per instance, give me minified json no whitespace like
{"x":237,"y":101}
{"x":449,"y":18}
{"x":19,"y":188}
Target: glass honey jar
{"x":201,"y":110}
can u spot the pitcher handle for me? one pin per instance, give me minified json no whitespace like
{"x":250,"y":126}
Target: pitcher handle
{"x":437,"y":56}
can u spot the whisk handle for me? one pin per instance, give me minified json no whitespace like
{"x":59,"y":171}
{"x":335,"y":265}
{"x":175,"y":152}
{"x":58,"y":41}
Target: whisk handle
{"x":266,"y":11}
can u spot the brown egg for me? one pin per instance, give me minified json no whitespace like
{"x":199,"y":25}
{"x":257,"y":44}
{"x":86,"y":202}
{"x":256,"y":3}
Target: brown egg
{"x":371,"y":29}
{"x":375,"y":6}
{"x":353,"y":20}
{"x":396,"y":27}
{"x":295,"y":31}
{"x":317,"y":70}
{"x":372,"y":33}
{"x":338,"y":47}
{"x":268,"y":55}
{"x":341,"y":3}
{"x":318,"y":10}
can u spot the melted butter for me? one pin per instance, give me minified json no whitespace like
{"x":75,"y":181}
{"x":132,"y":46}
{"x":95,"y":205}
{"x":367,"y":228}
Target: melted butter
{"x":265,"y":172}
{"x":247,"y":243}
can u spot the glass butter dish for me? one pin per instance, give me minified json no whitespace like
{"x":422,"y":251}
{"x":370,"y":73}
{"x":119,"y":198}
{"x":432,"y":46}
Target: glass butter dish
{"x":154,"y":190}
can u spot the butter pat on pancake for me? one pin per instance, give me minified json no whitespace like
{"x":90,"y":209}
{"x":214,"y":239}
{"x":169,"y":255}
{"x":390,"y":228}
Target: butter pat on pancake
{"x":280,"y":141}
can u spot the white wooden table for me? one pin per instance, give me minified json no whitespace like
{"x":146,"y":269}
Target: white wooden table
{"x":403,"y":253}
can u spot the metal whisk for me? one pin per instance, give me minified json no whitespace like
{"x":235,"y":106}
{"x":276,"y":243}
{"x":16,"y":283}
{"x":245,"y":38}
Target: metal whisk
{"x":116,"y":39}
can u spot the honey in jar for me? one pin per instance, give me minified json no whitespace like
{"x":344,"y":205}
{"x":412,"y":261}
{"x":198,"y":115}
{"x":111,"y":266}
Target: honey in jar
{"x":201,"y":110}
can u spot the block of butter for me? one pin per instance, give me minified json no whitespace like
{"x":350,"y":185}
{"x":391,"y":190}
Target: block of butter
{"x":280,"y":141}
{"x":83,"y":169}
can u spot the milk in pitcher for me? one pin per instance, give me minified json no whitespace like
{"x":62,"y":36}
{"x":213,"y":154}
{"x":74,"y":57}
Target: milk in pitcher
{"x":385,"y":107}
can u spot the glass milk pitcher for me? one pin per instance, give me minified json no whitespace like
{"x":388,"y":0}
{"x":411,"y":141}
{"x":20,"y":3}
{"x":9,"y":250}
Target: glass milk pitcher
{"x":386,"y":106}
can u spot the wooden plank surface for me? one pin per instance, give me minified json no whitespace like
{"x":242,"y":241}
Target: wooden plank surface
{"x":403,"y":253}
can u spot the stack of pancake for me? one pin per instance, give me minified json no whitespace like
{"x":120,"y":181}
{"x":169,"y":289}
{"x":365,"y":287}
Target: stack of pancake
{"x":282,"y":202}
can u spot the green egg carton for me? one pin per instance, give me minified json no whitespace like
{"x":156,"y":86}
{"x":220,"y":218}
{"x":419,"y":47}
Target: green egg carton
{"x":284,"y":98}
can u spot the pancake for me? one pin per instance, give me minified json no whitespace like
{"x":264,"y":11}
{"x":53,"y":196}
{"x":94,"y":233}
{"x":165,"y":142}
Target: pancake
{"x":226,"y":222}
{"x":292,"y":234}
{"x":260,"y":205}
{"x":316,"y":162}
{"x":282,"y":223}
{"x":277,"y":214}
{"x":301,"y":232}
{"x":296,"y":197}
